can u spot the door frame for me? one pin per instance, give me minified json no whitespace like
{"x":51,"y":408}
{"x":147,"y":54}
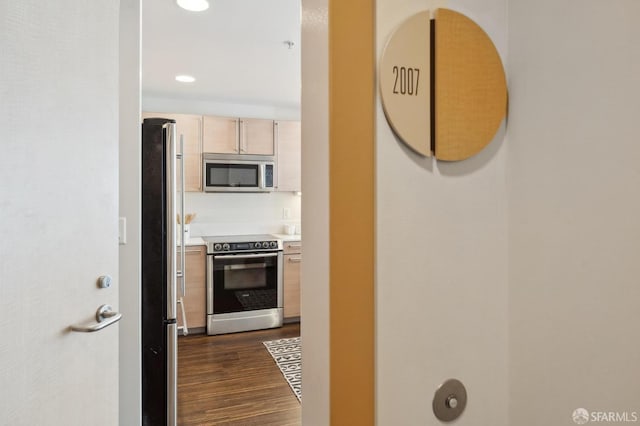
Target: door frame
{"x":349,"y":321}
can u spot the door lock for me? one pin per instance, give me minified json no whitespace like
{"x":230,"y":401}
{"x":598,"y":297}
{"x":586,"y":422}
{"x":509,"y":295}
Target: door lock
{"x":104,"y":281}
{"x":449,"y":400}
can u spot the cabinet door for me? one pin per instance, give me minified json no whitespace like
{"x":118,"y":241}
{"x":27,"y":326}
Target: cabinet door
{"x":256,"y":136}
{"x":190,"y":126}
{"x":195,"y":288}
{"x":288,"y":142}
{"x":220,"y":135}
{"x":292,"y":285}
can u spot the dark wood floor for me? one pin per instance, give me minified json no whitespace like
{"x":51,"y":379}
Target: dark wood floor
{"x":232,"y":380}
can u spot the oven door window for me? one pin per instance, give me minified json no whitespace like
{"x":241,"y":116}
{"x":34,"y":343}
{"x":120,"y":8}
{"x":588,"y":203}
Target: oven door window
{"x":245,"y":282}
{"x":221,"y":175}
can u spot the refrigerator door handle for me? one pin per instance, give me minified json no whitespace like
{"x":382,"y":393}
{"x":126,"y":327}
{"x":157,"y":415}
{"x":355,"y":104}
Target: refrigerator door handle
{"x":172,"y":273}
{"x":182,"y":273}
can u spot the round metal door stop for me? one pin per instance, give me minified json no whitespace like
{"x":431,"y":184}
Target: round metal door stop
{"x":449,"y":400}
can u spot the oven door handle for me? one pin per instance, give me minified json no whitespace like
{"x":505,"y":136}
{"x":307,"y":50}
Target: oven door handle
{"x":245,"y":256}
{"x":245,"y":266}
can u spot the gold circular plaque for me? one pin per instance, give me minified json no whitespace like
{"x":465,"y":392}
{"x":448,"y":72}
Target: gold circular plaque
{"x":443,"y":86}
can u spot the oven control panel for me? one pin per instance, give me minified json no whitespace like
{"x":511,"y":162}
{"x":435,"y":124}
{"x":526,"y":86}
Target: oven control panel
{"x":216,"y":245}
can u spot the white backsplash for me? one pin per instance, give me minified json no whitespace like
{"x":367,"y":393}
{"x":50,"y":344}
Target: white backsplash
{"x":234,"y":213}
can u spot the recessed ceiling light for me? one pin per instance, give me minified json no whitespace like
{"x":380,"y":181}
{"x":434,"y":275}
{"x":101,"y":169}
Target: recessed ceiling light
{"x":185,"y":78}
{"x":193,"y":5}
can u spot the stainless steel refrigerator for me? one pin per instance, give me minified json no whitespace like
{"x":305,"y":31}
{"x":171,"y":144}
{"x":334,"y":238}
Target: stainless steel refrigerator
{"x":160,"y":273}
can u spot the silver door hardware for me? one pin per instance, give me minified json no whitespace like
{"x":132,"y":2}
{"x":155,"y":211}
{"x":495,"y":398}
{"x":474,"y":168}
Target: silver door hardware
{"x":104,"y":281}
{"x":449,"y":400}
{"x":104,"y":318}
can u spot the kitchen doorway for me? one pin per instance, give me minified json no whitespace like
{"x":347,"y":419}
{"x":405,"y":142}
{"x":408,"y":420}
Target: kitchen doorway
{"x":244,"y":58}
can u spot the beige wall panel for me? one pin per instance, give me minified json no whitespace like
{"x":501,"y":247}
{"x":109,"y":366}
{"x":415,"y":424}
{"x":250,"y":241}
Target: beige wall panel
{"x":470,"y":87}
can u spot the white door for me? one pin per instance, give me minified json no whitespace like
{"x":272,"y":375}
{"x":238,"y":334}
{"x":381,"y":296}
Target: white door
{"x":58,"y":211}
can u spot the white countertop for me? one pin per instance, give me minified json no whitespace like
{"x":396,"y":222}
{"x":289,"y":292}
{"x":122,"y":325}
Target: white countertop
{"x":198,"y":241}
{"x":288,"y":237}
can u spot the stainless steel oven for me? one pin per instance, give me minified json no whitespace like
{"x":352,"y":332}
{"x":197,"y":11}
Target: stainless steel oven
{"x":244,"y":283}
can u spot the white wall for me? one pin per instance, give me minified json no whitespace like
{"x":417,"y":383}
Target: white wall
{"x":314,"y":285}
{"x":574,"y":233}
{"x":130,"y":395}
{"x":235,"y":213}
{"x":441,"y":276}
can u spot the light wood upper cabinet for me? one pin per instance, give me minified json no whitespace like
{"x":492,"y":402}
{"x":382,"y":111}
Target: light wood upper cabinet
{"x":256,"y":136}
{"x":195,"y":301}
{"x":220,"y":135}
{"x":288,"y":140}
{"x":190,"y":126}
{"x":225,"y":135}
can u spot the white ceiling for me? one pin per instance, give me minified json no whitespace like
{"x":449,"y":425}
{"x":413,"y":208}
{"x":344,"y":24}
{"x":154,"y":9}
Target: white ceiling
{"x":235,"y":49}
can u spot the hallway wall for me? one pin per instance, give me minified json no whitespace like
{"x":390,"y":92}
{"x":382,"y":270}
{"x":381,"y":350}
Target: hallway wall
{"x":441,"y":277}
{"x":574,"y":235}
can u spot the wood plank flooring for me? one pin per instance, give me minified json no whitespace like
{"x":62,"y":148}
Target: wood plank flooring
{"x":232,"y":380}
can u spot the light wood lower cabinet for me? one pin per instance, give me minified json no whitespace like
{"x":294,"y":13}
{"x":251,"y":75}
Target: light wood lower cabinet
{"x":291,"y":277}
{"x":195,"y":300}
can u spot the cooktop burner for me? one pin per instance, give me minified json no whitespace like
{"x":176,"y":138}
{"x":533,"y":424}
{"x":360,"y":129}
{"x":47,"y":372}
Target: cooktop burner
{"x":242,"y":243}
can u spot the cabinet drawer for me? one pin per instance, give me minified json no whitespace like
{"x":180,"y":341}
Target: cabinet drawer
{"x":292,"y":247}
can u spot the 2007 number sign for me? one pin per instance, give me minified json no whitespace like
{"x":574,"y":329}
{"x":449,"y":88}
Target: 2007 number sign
{"x":406,"y":81}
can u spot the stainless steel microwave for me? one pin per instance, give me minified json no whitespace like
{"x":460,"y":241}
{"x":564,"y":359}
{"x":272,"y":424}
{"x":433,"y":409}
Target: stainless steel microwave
{"x":237,"y":173}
